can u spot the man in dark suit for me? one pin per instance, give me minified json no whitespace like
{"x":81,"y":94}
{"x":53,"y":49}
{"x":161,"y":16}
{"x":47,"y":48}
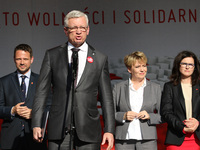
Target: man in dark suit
{"x":16,"y":98}
{"x":92,"y":78}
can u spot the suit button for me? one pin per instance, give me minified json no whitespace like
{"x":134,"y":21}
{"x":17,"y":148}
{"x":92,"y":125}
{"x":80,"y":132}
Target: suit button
{"x":66,"y":131}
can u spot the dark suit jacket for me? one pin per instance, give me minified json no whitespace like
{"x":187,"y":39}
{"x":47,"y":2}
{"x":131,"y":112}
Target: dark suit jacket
{"x":151,"y":102}
{"x":10,"y":95}
{"x":86,"y":116}
{"x":173,"y":111}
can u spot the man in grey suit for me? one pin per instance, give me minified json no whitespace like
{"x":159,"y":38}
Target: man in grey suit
{"x":92,"y":80}
{"x":16,"y":103}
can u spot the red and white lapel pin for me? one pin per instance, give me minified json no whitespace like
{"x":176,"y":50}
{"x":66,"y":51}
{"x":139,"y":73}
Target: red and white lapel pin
{"x":90,"y":59}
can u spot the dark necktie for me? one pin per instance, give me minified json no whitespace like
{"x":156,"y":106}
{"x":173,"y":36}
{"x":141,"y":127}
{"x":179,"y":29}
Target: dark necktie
{"x":74,"y":62}
{"x":23,"y":87}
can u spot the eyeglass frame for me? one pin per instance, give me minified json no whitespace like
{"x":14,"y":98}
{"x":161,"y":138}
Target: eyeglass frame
{"x":190,"y":65}
{"x":75,"y":28}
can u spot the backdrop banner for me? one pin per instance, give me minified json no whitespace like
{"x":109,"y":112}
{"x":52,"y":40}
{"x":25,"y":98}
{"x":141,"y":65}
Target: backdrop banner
{"x":159,"y":28}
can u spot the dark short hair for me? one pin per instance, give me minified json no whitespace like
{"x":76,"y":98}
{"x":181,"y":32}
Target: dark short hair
{"x":176,"y":75}
{"x":24,"y":47}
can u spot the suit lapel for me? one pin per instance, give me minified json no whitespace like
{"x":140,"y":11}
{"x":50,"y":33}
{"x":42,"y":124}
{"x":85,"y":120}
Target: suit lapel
{"x":145,"y":95}
{"x":31,"y":87}
{"x":64,"y":57}
{"x":15,"y":81}
{"x":88,"y":66}
{"x":195,"y":100}
{"x":127,"y":98}
{"x":179,"y":92}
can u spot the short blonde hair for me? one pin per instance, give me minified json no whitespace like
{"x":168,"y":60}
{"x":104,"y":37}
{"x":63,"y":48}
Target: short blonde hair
{"x":131,"y":59}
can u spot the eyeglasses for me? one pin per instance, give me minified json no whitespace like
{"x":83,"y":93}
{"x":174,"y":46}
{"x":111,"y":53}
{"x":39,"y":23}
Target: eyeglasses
{"x":73,"y":29}
{"x":189,"y":65}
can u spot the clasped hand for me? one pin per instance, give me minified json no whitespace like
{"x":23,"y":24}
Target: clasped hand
{"x":130,"y":115}
{"x":191,"y":125}
{"x":22,"y":111}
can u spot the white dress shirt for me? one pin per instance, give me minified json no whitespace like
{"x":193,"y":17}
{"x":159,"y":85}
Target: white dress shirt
{"x":27,"y":79}
{"x":136,"y":101}
{"x":82,"y":56}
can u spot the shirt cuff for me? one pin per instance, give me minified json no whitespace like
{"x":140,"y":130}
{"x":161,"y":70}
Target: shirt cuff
{"x":12,"y":115}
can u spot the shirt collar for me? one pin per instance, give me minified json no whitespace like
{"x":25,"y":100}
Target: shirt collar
{"x":83,"y":47}
{"x":143,"y":85}
{"x":28,"y":74}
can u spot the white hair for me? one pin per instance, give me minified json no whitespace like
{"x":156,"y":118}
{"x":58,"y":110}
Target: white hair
{"x":74,"y":14}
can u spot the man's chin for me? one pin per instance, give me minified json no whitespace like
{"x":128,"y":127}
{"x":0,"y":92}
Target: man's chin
{"x":77,"y":43}
{"x":23,"y":71}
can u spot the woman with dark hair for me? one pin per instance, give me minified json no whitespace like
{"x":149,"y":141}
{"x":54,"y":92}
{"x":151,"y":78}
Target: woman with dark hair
{"x":180,"y":103}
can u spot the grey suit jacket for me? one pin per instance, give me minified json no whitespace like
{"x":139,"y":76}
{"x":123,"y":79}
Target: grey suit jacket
{"x":151,"y":103}
{"x":95,"y":79}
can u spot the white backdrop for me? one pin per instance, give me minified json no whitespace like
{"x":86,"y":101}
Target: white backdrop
{"x":159,"y":28}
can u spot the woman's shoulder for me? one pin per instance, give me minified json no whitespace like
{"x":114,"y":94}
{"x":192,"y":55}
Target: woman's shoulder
{"x":122,"y":83}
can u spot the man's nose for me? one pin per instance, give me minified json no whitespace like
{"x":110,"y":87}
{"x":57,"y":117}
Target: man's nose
{"x":22,"y":62}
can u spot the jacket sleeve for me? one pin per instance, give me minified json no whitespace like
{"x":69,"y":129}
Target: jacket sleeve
{"x":42,"y":92}
{"x":118,"y":114}
{"x":167,"y":109}
{"x":106,"y":96}
{"x":155,"y":117}
{"x":5,"y":111}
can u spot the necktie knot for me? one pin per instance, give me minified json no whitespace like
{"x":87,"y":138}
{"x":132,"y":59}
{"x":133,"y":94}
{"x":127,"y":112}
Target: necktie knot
{"x":75,"y":49}
{"x":23,"y":77}
{"x":74,"y":55}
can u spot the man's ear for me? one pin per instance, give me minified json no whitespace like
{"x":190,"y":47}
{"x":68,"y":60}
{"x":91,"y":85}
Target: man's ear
{"x":66,"y":31}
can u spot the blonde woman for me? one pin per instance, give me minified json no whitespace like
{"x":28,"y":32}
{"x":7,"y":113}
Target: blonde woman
{"x":137,"y":106}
